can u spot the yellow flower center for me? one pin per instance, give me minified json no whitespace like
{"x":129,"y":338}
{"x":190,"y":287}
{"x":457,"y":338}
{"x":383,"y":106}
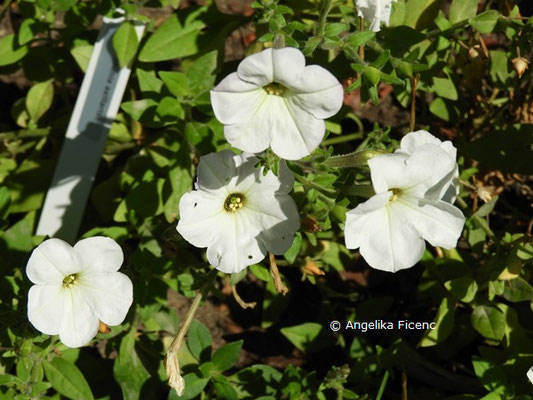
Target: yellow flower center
{"x":395,"y":194}
{"x":234,"y":202}
{"x":70,"y":280}
{"x":275,"y":89}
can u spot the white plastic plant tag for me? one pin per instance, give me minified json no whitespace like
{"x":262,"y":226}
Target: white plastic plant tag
{"x":96,"y":107}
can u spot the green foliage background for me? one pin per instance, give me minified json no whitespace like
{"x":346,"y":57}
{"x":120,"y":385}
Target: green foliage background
{"x":461,"y":55}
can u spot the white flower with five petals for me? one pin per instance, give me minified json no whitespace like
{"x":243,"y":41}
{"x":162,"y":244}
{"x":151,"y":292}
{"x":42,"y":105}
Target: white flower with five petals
{"x":76,"y":288}
{"x":275,"y":100}
{"x":238,"y":213}
{"x":375,"y":12}
{"x":389,"y":229}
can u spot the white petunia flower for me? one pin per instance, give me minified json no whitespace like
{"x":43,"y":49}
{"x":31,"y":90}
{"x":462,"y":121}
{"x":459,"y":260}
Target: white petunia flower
{"x":237,"y":213}
{"x":408,"y":144}
{"x":275,"y":100}
{"x":390,"y":227}
{"x":375,"y":12}
{"x":530,"y":374}
{"x":76,"y":287}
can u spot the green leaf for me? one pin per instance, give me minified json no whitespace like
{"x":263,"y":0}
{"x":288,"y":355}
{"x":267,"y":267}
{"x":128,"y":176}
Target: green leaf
{"x":5,"y":201}
{"x":199,"y":341}
{"x":172,"y":40}
{"x":176,"y":82}
{"x":200,"y":76}
{"x":170,"y":110}
{"x":489,"y":321}
{"x":360,"y":38}
{"x":517,"y":290}
{"x":81,"y":51}
{"x":439,"y":108}
{"x":486,"y":21}
{"x":419,"y":14}
{"x":486,"y":208}
{"x":227,"y":355}
{"x":463,"y":289}
{"x":128,"y":369}
{"x":444,"y":87}
{"x":462,"y":9}
{"x":336,"y":28}
{"x":260,"y":272}
{"x":491,"y":376}
{"x":39,"y":99}
{"x":499,"y":66}
{"x":308,"y":337}
{"x":193,"y":387}
{"x":148,"y":83}
{"x":444,"y":323}
{"x":125,"y":43}
{"x":67,"y":379}
{"x":224,"y":390}
{"x":291,"y":254}
{"x":9,"y":52}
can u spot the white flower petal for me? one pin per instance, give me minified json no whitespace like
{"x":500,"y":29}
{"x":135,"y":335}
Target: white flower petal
{"x":530,"y":374}
{"x":79,"y":325}
{"x":99,"y":254}
{"x":317,"y":91}
{"x":415,"y":174}
{"x":234,"y":100}
{"x":374,"y":11}
{"x":438,"y":222}
{"x":199,"y":216}
{"x":384,"y":236}
{"x":51,"y":262}
{"x":448,"y":188}
{"x":289,"y":64}
{"x":359,"y":217}
{"x":215,"y":171}
{"x":109,"y":294}
{"x":46,"y":306}
{"x":236,"y":245}
{"x":296,"y":133}
{"x":257,"y":69}
{"x":278,"y":218}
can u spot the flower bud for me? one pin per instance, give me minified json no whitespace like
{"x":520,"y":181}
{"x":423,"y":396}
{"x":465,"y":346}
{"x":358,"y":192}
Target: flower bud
{"x":311,"y":268}
{"x":372,"y":75}
{"x":520,"y":64}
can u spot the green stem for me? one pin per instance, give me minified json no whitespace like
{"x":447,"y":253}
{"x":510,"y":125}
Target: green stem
{"x":324,"y":11}
{"x":383,"y":385}
{"x":342,"y":139}
{"x":202,"y":294}
{"x":320,"y":188}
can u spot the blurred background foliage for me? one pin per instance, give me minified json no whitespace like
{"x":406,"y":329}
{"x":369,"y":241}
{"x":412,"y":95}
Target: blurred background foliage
{"x":466,"y":63}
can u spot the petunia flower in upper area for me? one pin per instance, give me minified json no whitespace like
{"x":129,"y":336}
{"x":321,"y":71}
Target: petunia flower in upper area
{"x":375,"y":12}
{"x":389,"y":229}
{"x":449,"y":189}
{"x":238,"y":213}
{"x":76,"y":288}
{"x":275,"y":100}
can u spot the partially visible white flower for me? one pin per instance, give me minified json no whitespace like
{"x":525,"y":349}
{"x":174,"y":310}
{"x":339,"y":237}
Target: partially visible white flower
{"x":237,"y":213}
{"x":390,"y":227}
{"x":449,"y":190}
{"x":275,"y":100}
{"x":530,"y":374}
{"x":76,"y":288}
{"x":375,"y":12}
